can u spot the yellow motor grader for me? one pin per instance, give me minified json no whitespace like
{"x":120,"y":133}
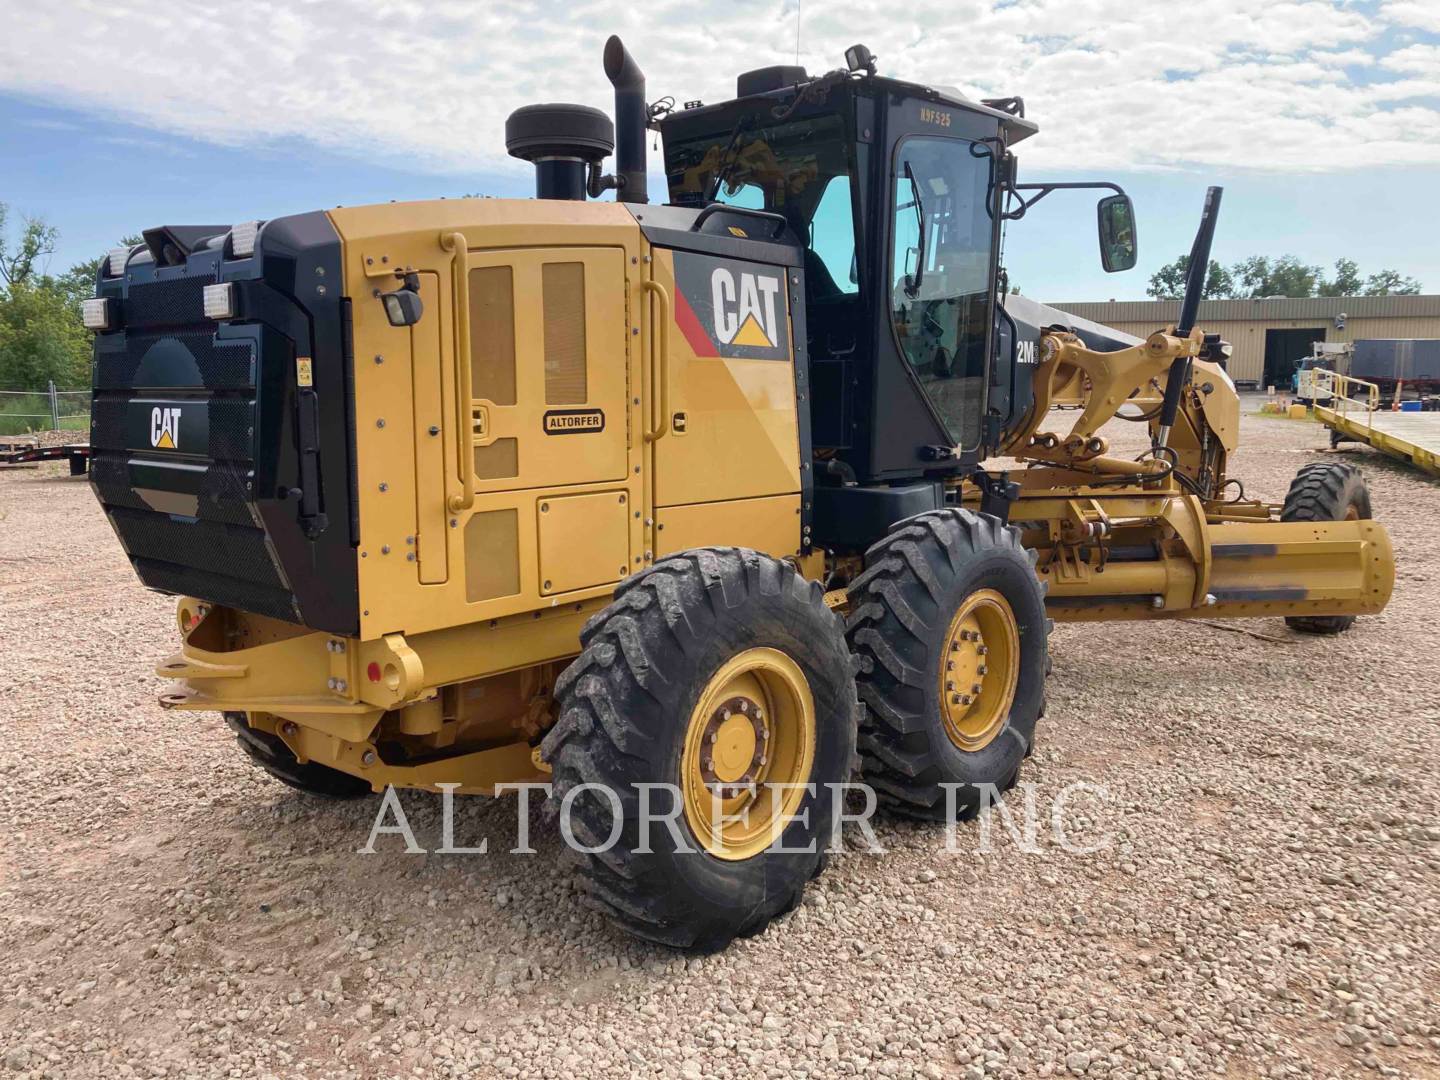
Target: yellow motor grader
{"x":681,"y":508}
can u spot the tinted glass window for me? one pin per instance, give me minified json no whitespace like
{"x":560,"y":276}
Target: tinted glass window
{"x":832,"y":236}
{"x":798,"y":168}
{"x":940,"y":295}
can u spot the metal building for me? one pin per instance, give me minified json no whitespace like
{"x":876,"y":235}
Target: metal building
{"x":1269,"y":335}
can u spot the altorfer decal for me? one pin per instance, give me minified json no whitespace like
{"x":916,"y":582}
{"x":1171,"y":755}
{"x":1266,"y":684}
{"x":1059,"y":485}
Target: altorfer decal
{"x":574,"y":421}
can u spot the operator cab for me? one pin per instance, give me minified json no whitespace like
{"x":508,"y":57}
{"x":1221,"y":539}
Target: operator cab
{"x":885,"y":201}
{"x":892,"y":189}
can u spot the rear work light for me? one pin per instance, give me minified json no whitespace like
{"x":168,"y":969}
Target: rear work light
{"x":242,"y":239}
{"x":220,"y":301}
{"x":115,"y":262}
{"x":98,"y":314}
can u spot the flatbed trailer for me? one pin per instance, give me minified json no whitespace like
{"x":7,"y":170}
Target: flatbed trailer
{"x":28,"y":453}
{"x":1354,"y":413}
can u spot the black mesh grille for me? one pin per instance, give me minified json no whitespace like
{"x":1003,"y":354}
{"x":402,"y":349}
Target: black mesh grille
{"x":226,"y":591}
{"x":107,"y":424}
{"x":219,"y":489}
{"x":230,"y":429}
{"x":177,"y":302}
{"x":211,"y":547}
{"x":215,"y":366}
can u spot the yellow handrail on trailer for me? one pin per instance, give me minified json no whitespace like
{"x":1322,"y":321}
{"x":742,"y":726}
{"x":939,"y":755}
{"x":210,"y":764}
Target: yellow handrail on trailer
{"x":1354,"y":412}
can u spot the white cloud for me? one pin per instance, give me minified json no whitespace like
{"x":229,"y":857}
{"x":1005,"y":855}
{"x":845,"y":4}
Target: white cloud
{"x":1419,"y":14}
{"x":1415,"y":60}
{"x":1113,"y":83}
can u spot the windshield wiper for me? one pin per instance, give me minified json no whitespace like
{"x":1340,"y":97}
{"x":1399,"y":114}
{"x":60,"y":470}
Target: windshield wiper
{"x":912,"y":281}
{"x":730,"y":155}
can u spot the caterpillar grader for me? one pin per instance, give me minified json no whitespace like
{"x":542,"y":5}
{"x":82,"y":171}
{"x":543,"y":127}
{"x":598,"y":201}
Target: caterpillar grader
{"x":695,"y":507}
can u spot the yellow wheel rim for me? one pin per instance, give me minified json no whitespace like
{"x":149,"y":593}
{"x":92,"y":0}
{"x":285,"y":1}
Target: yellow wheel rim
{"x":979,"y":668}
{"x":751,"y":732}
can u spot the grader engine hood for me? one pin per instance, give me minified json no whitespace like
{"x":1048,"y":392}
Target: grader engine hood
{"x":221,"y":418}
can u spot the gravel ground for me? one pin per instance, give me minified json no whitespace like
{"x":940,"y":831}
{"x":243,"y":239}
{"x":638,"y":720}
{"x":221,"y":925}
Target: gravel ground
{"x":1268,"y":905}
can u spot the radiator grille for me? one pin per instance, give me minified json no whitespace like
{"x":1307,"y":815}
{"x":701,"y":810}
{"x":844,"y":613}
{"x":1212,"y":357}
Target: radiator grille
{"x":177,"y":302}
{"x":208,"y":547}
{"x":189,"y":359}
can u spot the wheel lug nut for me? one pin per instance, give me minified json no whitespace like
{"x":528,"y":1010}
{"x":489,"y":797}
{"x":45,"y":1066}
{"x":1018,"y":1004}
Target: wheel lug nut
{"x":950,"y":684}
{"x":954,"y":699}
{"x":949,"y":665}
{"x":964,"y":699}
{"x":981,"y":649}
{"x":975,"y":689}
{"x":982,"y":669}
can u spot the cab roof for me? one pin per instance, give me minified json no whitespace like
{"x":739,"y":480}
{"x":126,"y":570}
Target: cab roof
{"x":1016,"y":126}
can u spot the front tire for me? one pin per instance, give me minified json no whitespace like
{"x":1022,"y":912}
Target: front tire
{"x":271,"y":754}
{"x":1325,"y":491}
{"x":949,"y":622}
{"x":722,"y":673}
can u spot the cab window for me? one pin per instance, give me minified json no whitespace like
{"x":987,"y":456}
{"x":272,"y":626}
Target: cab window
{"x":798,"y":168}
{"x":940,"y":278}
{"x":832,"y":236}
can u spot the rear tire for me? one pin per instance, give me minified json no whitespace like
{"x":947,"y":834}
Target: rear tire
{"x":270,"y":753}
{"x":1325,"y":491}
{"x":918,"y":581}
{"x":655,"y":698}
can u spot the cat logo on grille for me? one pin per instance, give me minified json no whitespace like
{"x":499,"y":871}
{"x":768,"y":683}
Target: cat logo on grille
{"x":165,"y":428}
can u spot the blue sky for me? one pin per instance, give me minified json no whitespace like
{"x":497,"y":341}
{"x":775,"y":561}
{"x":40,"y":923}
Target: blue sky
{"x":1320,"y":118}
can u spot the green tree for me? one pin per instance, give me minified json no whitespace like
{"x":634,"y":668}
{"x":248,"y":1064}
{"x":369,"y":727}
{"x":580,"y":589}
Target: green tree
{"x":41,"y":338}
{"x":1390,"y":283}
{"x":1168,"y":283}
{"x":26,"y":259}
{"x":1346,"y":282}
{"x":1285,"y":276}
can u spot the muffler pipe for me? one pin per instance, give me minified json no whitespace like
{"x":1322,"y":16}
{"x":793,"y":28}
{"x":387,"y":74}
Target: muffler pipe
{"x":631,"y":118}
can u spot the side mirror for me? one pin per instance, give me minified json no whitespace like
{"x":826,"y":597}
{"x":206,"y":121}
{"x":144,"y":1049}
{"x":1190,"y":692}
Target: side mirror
{"x":1118,"y":246}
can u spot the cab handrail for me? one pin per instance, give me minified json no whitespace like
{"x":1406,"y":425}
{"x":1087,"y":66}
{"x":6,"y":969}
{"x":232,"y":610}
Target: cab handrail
{"x":660,"y":363}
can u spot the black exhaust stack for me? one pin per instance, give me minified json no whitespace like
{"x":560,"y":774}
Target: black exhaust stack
{"x":631,"y":119}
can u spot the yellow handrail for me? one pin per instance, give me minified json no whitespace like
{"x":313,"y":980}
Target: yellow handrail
{"x":661,"y":362}
{"x":1341,"y":387}
{"x":465,"y":424}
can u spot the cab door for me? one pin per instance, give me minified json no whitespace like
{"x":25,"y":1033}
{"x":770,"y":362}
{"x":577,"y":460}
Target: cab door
{"x":727,"y":466}
{"x":731,"y":382}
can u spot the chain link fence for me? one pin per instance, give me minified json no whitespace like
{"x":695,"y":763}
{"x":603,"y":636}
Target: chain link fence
{"x":26,"y":411}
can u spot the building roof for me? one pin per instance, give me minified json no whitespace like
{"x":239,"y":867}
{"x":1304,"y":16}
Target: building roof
{"x":1260,"y":310}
